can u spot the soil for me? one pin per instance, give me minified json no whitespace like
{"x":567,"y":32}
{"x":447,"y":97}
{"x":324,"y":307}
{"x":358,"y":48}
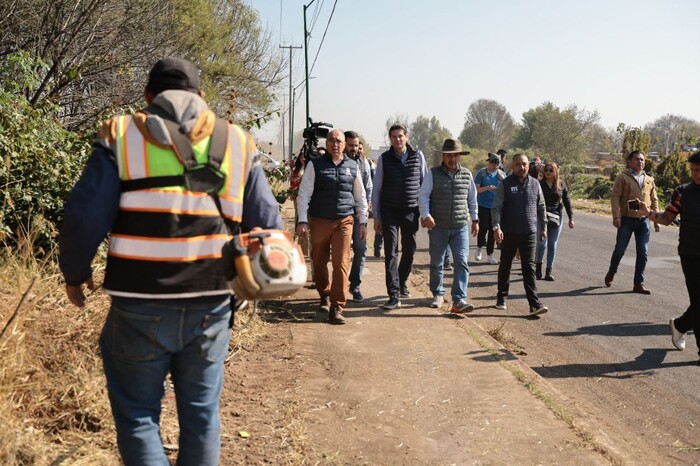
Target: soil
{"x":411,"y":386}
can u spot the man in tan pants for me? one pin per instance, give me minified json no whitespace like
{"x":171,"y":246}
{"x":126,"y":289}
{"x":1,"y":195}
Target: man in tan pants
{"x":331,"y":193}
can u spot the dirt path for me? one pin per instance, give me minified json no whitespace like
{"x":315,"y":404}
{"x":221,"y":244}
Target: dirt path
{"x":411,"y":386}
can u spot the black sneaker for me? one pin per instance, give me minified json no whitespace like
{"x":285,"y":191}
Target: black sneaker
{"x":325,"y":303}
{"x":357,"y":296}
{"x":377,"y":253}
{"x":393,"y":303}
{"x":447,"y":266}
{"x":537,"y":310}
{"x":405,"y":293}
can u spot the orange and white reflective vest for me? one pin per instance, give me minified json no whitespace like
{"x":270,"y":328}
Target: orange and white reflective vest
{"x":166,"y":242}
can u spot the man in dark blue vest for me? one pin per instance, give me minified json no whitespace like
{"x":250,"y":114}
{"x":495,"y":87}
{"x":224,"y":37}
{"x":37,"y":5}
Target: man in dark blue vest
{"x":398,"y":177}
{"x":359,"y":245}
{"x":331,"y":193}
{"x":516,"y":211}
{"x":447,"y":207}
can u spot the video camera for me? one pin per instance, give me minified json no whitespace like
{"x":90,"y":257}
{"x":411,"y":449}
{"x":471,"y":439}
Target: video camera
{"x":311,"y":135}
{"x":316,"y":130}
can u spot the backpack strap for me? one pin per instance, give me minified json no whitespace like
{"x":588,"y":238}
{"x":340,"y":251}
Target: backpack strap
{"x":185,"y":153}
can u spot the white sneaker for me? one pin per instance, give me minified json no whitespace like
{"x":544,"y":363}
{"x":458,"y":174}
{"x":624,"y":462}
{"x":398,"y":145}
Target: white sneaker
{"x":492,"y":259}
{"x":437,"y":301}
{"x":477,"y":255}
{"x":677,"y":337}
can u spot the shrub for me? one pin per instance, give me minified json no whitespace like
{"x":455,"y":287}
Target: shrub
{"x":41,"y":159}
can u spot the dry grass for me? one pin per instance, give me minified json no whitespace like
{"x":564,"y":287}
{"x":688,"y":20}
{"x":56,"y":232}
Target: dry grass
{"x":506,"y":339}
{"x":593,"y":206}
{"x":54,"y":408}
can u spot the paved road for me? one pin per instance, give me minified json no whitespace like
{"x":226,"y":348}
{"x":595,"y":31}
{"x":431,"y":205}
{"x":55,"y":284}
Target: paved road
{"x":606,"y":348}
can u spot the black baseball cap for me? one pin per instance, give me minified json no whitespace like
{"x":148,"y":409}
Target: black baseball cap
{"x":173,"y":73}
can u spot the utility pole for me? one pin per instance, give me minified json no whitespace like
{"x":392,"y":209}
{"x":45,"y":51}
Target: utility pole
{"x":306,"y":61}
{"x":291,"y":120}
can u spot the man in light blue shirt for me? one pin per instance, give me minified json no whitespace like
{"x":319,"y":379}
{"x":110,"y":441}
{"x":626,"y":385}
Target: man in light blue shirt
{"x":447,"y":201}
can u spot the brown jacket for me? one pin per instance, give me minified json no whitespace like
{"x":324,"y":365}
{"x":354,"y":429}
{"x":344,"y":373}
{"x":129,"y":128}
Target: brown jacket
{"x":626,"y":189}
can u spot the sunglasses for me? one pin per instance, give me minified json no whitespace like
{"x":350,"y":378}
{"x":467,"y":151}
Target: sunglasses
{"x":549,"y":170}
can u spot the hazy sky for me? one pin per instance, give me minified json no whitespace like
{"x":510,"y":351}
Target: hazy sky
{"x":631,"y":60}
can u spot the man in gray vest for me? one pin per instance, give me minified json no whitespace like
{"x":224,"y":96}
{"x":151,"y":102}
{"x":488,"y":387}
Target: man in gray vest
{"x":447,"y":202}
{"x":359,"y":245}
{"x":515,"y":214}
{"x":399,"y":174}
{"x":331,"y":193}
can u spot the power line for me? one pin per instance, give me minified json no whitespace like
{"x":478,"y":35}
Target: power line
{"x":324,"y":35}
{"x":314,"y":18}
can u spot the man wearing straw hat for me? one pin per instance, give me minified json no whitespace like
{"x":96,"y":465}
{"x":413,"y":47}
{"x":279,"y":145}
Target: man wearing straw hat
{"x":447,"y":202}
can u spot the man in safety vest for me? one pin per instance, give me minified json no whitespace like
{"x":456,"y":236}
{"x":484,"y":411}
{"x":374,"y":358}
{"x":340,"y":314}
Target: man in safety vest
{"x":165,"y":182}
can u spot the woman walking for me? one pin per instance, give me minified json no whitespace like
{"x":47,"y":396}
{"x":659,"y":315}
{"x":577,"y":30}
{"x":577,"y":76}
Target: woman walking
{"x":556,"y":196}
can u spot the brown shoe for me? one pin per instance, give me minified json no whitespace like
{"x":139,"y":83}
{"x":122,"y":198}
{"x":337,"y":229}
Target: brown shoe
{"x":609,"y":278}
{"x":639,"y":288}
{"x":336,"y":316}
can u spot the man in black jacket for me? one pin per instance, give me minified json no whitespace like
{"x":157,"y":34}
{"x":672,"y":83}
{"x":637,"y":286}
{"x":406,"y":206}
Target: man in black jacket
{"x":398,"y":177}
{"x":517,"y":209}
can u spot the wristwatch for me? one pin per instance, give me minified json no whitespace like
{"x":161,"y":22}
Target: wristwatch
{"x":496,"y":227}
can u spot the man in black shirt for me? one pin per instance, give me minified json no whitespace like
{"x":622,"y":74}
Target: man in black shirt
{"x":685,"y":202}
{"x":515,"y":214}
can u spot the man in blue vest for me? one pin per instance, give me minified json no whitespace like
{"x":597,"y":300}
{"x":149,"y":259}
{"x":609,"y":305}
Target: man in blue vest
{"x":359,"y":245}
{"x":330,"y":195}
{"x":170,"y":306}
{"x":515,"y":214}
{"x":399,"y":174}
{"x":447,"y":205}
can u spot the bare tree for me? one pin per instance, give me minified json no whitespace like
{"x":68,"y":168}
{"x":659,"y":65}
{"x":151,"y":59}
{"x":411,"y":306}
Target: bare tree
{"x":488,"y":125}
{"x":669,"y":130}
{"x":98,"y":53}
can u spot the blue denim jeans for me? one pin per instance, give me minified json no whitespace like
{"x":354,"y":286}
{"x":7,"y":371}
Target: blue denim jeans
{"x":458,"y":241}
{"x":550,"y":243}
{"x":359,"y":250}
{"x":144,"y":339}
{"x":640,"y":228}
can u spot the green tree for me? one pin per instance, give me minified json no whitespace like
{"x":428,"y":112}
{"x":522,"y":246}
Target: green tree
{"x":633,"y":138}
{"x":673,"y":170}
{"x":427,"y":134}
{"x":42,"y":160}
{"x":561,"y":135}
{"x":487,"y":125}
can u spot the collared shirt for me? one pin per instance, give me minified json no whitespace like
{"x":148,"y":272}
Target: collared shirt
{"x":639,"y":178}
{"x":306,"y":190}
{"x":426,"y":190}
{"x":379,"y":177}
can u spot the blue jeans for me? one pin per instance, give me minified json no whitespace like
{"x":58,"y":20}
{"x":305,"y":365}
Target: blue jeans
{"x":144,"y":339}
{"x":640,"y":228}
{"x":550,"y":243}
{"x":359,"y":250}
{"x":458,"y":241}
